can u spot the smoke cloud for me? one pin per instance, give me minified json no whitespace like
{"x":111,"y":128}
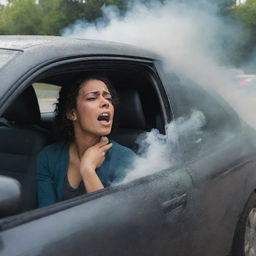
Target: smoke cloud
{"x":187,"y":35}
{"x":194,"y":42}
{"x":158,"y":151}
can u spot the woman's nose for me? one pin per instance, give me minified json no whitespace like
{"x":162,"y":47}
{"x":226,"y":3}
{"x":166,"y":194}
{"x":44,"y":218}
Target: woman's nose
{"x":104,"y":103}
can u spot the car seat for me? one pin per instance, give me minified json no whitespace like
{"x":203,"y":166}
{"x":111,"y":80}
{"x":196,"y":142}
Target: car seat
{"x":21,"y":140}
{"x":130,"y":117}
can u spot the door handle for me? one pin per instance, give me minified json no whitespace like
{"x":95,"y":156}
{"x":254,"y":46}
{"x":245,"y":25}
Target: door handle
{"x":174,"y":203}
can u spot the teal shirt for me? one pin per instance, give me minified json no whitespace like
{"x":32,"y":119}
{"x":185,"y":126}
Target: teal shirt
{"x":52,"y":166}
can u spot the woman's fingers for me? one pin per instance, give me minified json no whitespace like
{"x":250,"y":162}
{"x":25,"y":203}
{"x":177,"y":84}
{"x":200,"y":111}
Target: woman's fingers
{"x":105,"y":148}
{"x":102,"y":151}
{"x":95,"y":155}
{"x":102,"y":142}
{"x":104,"y":139}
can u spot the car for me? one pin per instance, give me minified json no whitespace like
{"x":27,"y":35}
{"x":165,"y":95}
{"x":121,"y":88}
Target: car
{"x":201,"y":202}
{"x":245,"y":81}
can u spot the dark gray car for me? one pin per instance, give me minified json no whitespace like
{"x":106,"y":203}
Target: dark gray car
{"x":204,"y":203}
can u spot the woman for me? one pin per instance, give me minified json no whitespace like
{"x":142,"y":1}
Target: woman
{"x":85,"y":161}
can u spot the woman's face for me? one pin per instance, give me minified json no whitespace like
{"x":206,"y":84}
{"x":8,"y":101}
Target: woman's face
{"x":94,"y":110}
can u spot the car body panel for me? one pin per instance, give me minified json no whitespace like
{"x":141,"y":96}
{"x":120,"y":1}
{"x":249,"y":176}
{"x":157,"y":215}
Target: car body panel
{"x":113,"y":224}
{"x":219,"y":193}
{"x":221,"y":168}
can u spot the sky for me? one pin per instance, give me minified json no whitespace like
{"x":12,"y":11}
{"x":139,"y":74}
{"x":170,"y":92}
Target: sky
{"x":240,"y":1}
{"x":3,"y":1}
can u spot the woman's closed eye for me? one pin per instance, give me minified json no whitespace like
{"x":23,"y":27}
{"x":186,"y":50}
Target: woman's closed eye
{"x":91,"y":98}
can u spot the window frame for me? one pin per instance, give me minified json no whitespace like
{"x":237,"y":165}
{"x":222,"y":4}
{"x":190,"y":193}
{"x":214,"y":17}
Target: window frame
{"x":177,"y":87}
{"x":33,"y":76}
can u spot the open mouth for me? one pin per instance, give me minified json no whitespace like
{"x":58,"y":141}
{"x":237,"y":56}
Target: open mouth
{"x":104,"y":118}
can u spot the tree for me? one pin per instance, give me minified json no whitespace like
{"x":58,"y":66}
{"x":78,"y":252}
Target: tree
{"x":246,"y":12}
{"x":92,"y":9}
{"x":20,"y":17}
{"x":58,"y":14}
{"x":48,"y":17}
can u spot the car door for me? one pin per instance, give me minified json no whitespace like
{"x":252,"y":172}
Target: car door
{"x":147,"y":216}
{"x":219,"y":159}
{"x":143,"y":217}
{"x":223,"y":177}
{"x":223,"y":181}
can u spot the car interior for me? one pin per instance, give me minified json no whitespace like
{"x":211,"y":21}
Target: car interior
{"x":24,"y":130}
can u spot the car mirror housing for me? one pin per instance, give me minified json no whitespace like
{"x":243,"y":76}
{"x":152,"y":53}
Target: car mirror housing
{"x":10,"y":196}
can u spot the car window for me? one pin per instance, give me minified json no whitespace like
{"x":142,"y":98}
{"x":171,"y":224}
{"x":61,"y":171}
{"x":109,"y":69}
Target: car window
{"x":245,"y":82}
{"x":220,"y":118}
{"x":47,"y":95}
{"x":133,"y":86}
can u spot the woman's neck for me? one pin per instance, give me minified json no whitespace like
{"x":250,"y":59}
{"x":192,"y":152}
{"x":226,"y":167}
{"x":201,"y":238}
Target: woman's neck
{"x":82,"y":143}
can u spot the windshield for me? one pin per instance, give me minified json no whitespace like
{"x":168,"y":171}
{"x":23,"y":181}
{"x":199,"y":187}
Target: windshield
{"x":6,"y":56}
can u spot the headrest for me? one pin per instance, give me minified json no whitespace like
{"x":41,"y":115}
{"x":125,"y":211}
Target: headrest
{"x":130,"y":113}
{"x":24,"y":109}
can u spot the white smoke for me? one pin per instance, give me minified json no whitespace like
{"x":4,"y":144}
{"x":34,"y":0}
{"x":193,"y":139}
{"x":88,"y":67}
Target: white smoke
{"x":158,"y":151}
{"x":194,"y":42}
{"x":186,"y":36}
{"x":191,"y":38}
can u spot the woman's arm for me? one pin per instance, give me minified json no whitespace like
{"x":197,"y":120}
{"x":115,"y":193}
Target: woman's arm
{"x":91,"y":181}
{"x":45,"y":190}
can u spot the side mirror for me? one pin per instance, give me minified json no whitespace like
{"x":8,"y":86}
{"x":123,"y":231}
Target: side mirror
{"x":10,"y":196}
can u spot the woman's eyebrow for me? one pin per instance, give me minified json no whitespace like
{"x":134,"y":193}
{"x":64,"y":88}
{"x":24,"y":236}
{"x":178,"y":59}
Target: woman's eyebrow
{"x":92,"y":92}
{"x":98,"y":92}
{"x":106,"y":93}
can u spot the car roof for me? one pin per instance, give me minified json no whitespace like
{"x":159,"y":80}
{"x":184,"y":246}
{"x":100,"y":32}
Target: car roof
{"x":26,"y":54}
{"x":69,"y":45}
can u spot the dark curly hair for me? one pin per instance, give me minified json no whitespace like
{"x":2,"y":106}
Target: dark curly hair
{"x":67,"y":102}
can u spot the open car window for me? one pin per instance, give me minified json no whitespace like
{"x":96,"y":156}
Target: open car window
{"x":47,"y":95}
{"x":140,"y":110}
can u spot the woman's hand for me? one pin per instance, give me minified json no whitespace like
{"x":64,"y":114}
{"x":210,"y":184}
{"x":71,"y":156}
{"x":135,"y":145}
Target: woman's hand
{"x":94,"y":156}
